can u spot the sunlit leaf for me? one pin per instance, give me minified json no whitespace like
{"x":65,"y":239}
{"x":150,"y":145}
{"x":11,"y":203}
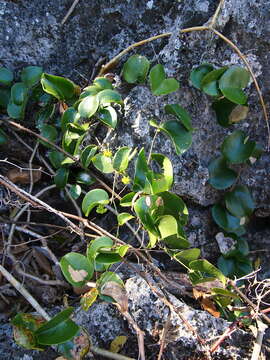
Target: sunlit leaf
{"x":135,"y":69}
{"x":85,"y":178}
{"x":75,"y":191}
{"x":103,"y":163}
{"x":121,"y":159}
{"x":207,"y":269}
{"x":96,"y":245}
{"x":123,"y":218}
{"x":102,"y":83}
{"x":58,"y":330}
{"x":186,"y":256}
{"x":126,"y":200}
{"x":88,"y":106}
{"x":77,"y":268}
{"x":94,"y":198}
{"x":69,"y":116}
{"x":160,"y":85}
{"x":58,"y":86}
{"x":88,"y":299}
{"x":87,"y":155}
{"x":109,"y":96}
{"x":108,"y":116}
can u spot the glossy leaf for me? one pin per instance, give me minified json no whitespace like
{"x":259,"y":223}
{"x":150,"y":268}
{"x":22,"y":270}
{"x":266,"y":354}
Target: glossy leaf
{"x":239,"y":202}
{"x":93,"y":198}
{"x":109,"y":96}
{"x":123,"y":218}
{"x":221,"y":176}
{"x":186,"y":256}
{"x":69,"y":116}
{"x":126,"y":200}
{"x":87,"y":155}
{"x":232,"y":81}
{"x":58,"y":86}
{"x":102,"y":83}
{"x":160,"y":85}
{"x":103,"y":163}
{"x":207,"y":268}
{"x":144,"y":208}
{"x":96,"y":245}
{"x":141,"y":170}
{"x":108,"y":116}
{"x":168,"y":227}
{"x":181,"y":114}
{"x":224,"y":219}
{"x":209,"y":83}
{"x":85,"y":178}
{"x":56,"y":158}
{"x":6,"y":76}
{"x":19,"y":93}
{"x":31,"y":75}
{"x":61,"y":177}
{"x":135,"y":69}
{"x":121,"y":159}
{"x":236,"y":148}
{"x":58,"y":330}
{"x":75,"y":191}
{"x":199,"y":73}
{"x":180,"y":137}
{"x":108,"y":259}
{"x":88,"y":106}
{"x":77,"y":268}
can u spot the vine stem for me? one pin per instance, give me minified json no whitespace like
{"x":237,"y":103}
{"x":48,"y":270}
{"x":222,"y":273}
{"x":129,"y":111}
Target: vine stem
{"x":113,"y":62}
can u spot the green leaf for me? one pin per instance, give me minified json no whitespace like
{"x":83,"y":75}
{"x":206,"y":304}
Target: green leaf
{"x":75,"y":191}
{"x":224,"y":219}
{"x":94,"y":198}
{"x":3,"y":137}
{"x":69,"y":116}
{"x":77,"y":268}
{"x":58,"y":86}
{"x":49,"y":132}
{"x":85,"y":178}
{"x":186,"y":256}
{"x":145,"y":208}
{"x":31,"y":75}
{"x":199,"y":73}
{"x":181,"y":114}
{"x":87,"y":155}
{"x":108,"y":276}
{"x":88,"y":106}
{"x":221,"y":176}
{"x":158,"y":82}
{"x":236,"y":148}
{"x":239,"y":202}
{"x":19,"y":93}
{"x":108,"y":259}
{"x":227,"y":266}
{"x":223,"y":109}
{"x":123,"y":218}
{"x":108,"y":116}
{"x":44,"y":115}
{"x":171,"y":233}
{"x":4,"y":97}
{"x":103,"y":163}
{"x":15,"y":111}
{"x":109,"y":96}
{"x":141,"y":170}
{"x":135,"y":69}
{"x":88,"y":299}
{"x":209,"y":82}
{"x":102,"y":242}
{"x":161,"y":182}
{"x":6,"y":76}
{"x":56,"y":158}
{"x":126,"y":200}
{"x":121,"y":159}
{"x":61,"y":177}
{"x":58,"y":330}
{"x":231,"y":83}
{"x":173,"y":205}
{"x":102,"y":83}
{"x":207,"y":269}
{"x":180,"y":137}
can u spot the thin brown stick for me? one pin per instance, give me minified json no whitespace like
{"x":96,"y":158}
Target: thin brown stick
{"x":70,"y":11}
{"x":227,"y":333}
{"x":163,"y":337}
{"x":215,"y":16}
